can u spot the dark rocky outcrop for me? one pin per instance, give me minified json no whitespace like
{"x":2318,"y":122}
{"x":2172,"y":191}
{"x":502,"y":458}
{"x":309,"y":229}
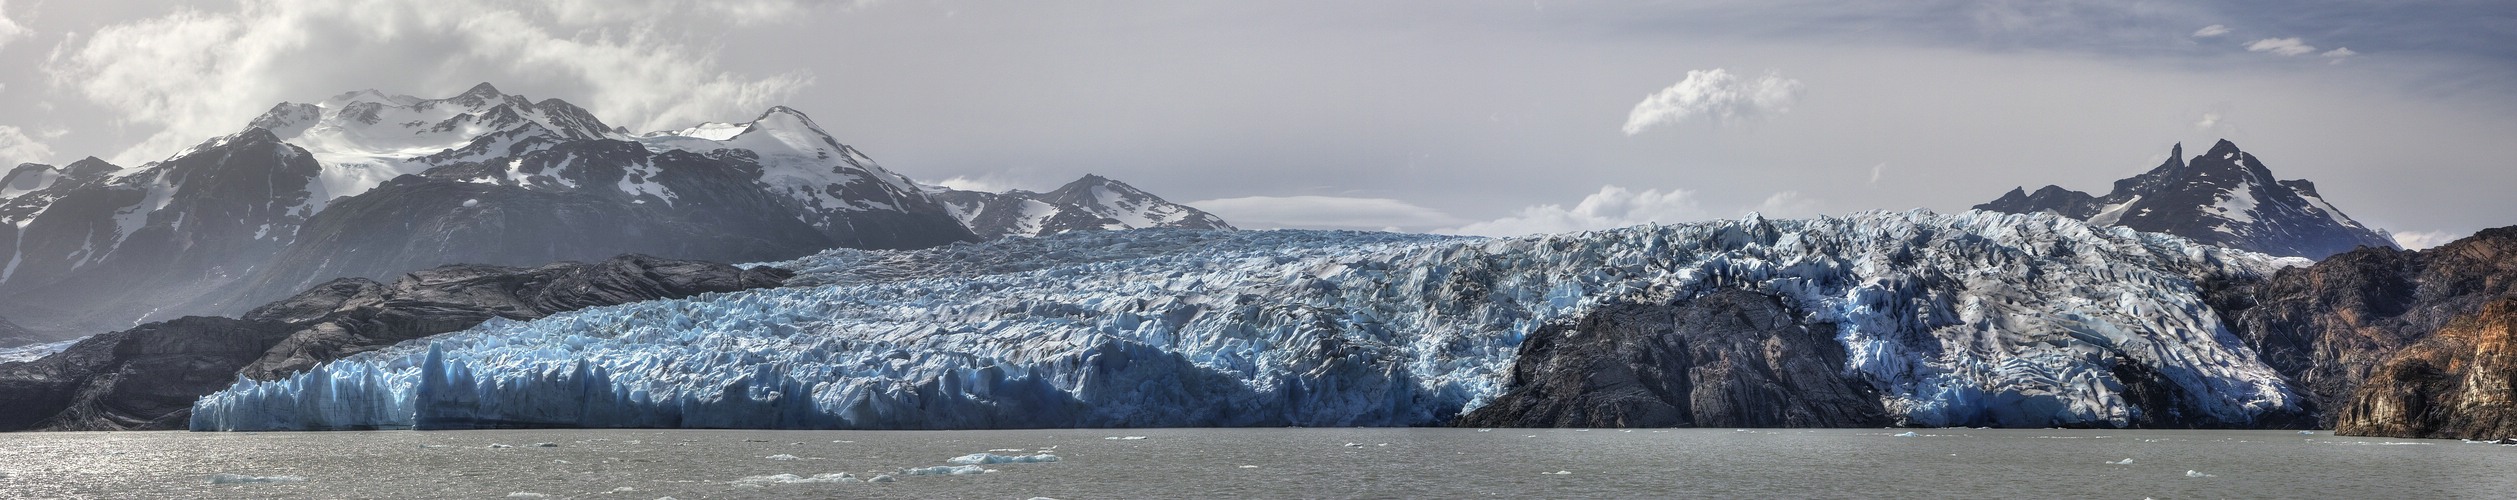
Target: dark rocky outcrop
{"x":148,"y":377}
{"x":2224,"y":197}
{"x":1732,"y":358}
{"x":2331,"y":326}
{"x":2460,"y":383}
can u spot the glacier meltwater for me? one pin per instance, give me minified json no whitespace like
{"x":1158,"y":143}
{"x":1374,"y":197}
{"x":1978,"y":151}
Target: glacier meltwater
{"x":1952,"y":318}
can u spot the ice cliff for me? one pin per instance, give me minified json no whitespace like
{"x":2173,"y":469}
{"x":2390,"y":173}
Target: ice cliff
{"x":1951,"y":318}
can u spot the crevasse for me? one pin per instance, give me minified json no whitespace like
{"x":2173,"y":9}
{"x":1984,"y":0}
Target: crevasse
{"x":1967,"y":319}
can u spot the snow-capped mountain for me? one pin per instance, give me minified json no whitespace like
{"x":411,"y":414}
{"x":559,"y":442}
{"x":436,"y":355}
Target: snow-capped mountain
{"x":372,"y":185}
{"x":365,"y":138}
{"x":126,"y":242}
{"x":1087,"y":204}
{"x":1969,"y":319}
{"x":2224,"y":197}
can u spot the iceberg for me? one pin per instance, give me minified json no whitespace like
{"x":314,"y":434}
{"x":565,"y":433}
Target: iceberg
{"x":1975,"y":318}
{"x":945,"y":470}
{"x":992,"y":458}
{"x":842,"y":477}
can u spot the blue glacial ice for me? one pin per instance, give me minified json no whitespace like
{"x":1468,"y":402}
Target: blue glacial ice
{"x":1956,"y":319}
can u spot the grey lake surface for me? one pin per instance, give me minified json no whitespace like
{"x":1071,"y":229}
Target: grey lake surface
{"x":1257,"y":463}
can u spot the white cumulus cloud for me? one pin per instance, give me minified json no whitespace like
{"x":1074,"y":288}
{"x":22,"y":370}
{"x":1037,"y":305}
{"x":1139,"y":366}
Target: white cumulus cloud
{"x":16,"y":148}
{"x":2418,"y":240}
{"x":10,"y":31}
{"x":2283,"y":46}
{"x":1615,"y":206}
{"x":1324,"y":212}
{"x":2211,"y":31}
{"x":2340,"y":52}
{"x":1714,"y":92}
{"x":192,"y":74}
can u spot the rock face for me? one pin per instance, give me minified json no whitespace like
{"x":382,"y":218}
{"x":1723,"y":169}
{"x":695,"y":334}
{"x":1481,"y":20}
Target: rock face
{"x":104,"y":246}
{"x":2223,"y":197}
{"x":1730,"y":359}
{"x":148,"y":377}
{"x":2329,"y":327}
{"x":2460,"y":383}
{"x":1091,"y":203}
{"x":369,"y":185}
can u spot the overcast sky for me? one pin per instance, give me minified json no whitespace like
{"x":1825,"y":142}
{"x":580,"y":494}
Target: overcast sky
{"x":1458,"y":116}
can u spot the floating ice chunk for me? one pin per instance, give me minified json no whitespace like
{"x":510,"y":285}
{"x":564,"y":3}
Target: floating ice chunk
{"x":2195,"y":473}
{"x":1908,"y":434}
{"x":623,"y":489}
{"x":2307,"y":433}
{"x":1354,"y":445}
{"x":783,"y":456}
{"x":244,"y":479}
{"x":1249,"y":467}
{"x":842,"y":477}
{"x":499,"y":445}
{"x":2127,"y":461}
{"x":945,"y":470}
{"x":1382,"y":444}
{"x":1485,"y":430}
{"x":881,"y":478}
{"x":1557,"y":473}
{"x":526,"y":494}
{"x":992,"y":458}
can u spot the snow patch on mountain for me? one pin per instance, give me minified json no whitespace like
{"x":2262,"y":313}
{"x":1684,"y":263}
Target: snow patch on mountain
{"x":796,"y":157}
{"x":364,"y":138}
{"x":1968,"y":319}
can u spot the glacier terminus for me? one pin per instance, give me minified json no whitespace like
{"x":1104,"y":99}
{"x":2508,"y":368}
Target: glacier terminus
{"x":1977,"y":318}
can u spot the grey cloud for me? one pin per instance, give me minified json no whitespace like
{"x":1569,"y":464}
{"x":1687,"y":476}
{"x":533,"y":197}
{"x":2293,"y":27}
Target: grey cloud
{"x":199,"y":74}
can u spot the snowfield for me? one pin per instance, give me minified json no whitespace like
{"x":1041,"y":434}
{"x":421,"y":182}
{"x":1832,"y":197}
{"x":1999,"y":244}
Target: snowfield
{"x":1977,"y":318}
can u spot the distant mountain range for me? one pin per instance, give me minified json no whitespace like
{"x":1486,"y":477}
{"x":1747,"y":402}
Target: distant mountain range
{"x":371,"y":185}
{"x":1088,"y":204}
{"x":2224,"y":197}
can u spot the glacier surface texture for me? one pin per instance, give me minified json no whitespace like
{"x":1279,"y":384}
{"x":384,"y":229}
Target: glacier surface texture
{"x":1977,"y":318}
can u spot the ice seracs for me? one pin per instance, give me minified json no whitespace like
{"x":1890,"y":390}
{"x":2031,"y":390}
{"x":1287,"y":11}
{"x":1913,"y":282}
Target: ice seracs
{"x":1963,"y":319}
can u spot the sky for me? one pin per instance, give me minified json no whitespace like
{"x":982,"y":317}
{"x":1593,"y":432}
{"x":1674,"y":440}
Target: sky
{"x":1476,"y":117}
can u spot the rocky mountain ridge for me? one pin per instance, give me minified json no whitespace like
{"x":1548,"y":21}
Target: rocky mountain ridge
{"x":2224,"y":196}
{"x":1091,"y":203}
{"x":371,"y":185}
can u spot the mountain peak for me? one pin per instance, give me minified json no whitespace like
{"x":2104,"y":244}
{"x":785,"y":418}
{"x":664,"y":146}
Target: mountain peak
{"x":483,"y":90}
{"x":2224,"y":196}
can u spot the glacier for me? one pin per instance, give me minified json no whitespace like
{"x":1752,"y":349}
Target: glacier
{"x":1975,"y":318}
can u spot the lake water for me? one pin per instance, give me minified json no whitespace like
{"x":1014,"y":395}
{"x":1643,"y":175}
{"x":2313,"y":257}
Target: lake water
{"x":1262,"y":463}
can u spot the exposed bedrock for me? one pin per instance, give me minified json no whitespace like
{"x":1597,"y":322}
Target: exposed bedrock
{"x":2460,"y":383}
{"x":2331,"y":327}
{"x":1732,"y":358}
